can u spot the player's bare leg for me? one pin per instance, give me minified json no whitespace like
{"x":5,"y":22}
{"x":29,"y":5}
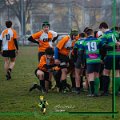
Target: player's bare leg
{"x":77,"y":79}
{"x":6,"y":67}
{"x":6,"y":64}
{"x":63,"y":78}
{"x":40,"y":75}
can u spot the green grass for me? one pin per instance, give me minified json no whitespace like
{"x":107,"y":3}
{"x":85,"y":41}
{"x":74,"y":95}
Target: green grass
{"x":16,"y":103}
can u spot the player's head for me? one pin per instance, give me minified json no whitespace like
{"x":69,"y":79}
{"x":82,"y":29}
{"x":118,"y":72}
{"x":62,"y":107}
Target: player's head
{"x":41,"y":97}
{"x":46,"y":26}
{"x":103,"y":26}
{"x":73,"y":34}
{"x":82,"y":35}
{"x":90,"y":32}
{"x":8,"y":24}
{"x":49,"y":52}
{"x":85,"y":30}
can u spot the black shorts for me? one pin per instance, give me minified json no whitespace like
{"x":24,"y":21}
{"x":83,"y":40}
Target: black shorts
{"x":93,"y":68}
{"x":9,"y":53}
{"x":108,"y":63}
{"x":40,"y":54}
{"x":46,"y":76}
{"x":78,"y":63}
{"x":101,"y":68}
{"x":71,"y":64}
{"x":64,"y":61}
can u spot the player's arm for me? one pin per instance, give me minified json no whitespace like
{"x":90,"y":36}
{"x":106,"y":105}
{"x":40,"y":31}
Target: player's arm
{"x":55,"y":35}
{"x":82,"y":54}
{"x":49,"y":66}
{"x":75,"y":52}
{"x":55,"y":38}
{"x":75,"y":49}
{"x":32,"y":40}
{"x":15,"y":36}
{"x":0,"y":44}
{"x":35,"y":36}
{"x":16,"y":43}
{"x":47,"y":103}
{"x":56,"y":55}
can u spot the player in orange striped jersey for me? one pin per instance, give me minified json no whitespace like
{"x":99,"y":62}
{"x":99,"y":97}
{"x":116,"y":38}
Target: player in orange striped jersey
{"x":43,"y":71}
{"x":9,"y":48}
{"x":62,"y":51}
{"x":43,"y":38}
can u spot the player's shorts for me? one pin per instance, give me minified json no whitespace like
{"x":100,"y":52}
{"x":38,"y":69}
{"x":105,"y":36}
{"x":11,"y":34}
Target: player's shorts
{"x":108,"y":63}
{"x":9,"y":53}
{"x":72,"y":61}
{"x":46,"y":74}
{"x":78,"y":63}
{"x":64,"y":61}
{"x":40,"y":54}
{"x":101,"y":68}
{"x":93,"y":68}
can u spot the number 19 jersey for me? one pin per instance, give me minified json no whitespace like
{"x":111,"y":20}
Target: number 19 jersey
{"x":7,"y":37}
{"x":92,"y":46}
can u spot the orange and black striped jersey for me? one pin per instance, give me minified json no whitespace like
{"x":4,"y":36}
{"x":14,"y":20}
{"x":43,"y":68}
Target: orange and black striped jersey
{"x":44,"y":39}
{"x":7,"y":36}
{"x":64,"y":45}
{"x":45,"y":61}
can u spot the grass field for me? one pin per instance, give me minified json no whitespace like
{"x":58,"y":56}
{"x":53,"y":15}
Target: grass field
{"x":17,"y":103}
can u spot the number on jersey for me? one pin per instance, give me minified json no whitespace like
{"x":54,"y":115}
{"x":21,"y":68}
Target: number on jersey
{"x":8,"y":37}
{"x":92,"y":46}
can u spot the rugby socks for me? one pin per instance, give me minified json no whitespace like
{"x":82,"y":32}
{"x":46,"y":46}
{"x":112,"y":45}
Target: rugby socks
{"x":34,"y":87}
{"x":96,"y":86}
{"x":106,"y":83}
{"x":42,"y":84}
{"x":57,"y":76}
{"x":72,"y":81}
{"x":8,"y":76}
{"x":81,"y":82}
{"x":117,"y":85}
{"x":78,"y":90}
{"x":9,"y":69}
{"x":92,"y":87}
{"x":63,"y":84}
{"x":101,"y":82}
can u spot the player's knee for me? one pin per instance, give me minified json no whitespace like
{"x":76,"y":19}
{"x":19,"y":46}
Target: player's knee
{"x":40,"y":74}
{"x":106,"y":72}
{"x":12,"y":59}
{"x":36,"y":72}
{"x":64,"y":70}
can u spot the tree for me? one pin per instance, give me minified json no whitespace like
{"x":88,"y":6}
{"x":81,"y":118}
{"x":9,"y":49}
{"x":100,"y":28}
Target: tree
{"x":21,"y":9}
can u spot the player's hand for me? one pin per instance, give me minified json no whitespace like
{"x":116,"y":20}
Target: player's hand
{"x":118,"y":44}
{"x":57,"y":62}
{"x":16,"y":52}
